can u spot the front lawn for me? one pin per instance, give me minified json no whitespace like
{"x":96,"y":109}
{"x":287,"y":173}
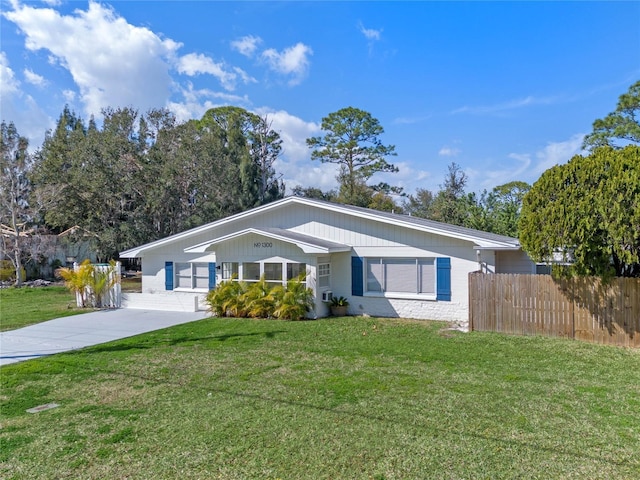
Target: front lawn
{"x":340,"y":398}
{"x":24,"y":306}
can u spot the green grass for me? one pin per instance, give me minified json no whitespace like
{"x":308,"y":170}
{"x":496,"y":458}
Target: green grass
{"x":132,"y":284}
{"x":24,"y":306}
{"x":336,"y":398}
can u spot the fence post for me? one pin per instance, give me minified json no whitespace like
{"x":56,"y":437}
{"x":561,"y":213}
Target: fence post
{"x":573,"y":308}
{"x":117,"y":288}
{"x":471,"y":296}
{"x":79,"y":302}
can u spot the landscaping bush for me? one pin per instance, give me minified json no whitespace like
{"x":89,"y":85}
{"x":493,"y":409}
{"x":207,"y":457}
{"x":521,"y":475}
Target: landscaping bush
{"x":258,"y":300}
{"x":90,"y":283}
{"x":233,"y":298}
{"x":294,"y":301}
{"x":226,"y":300}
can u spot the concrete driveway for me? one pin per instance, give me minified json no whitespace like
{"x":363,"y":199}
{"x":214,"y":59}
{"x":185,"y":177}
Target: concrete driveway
{"x":78,"y":331}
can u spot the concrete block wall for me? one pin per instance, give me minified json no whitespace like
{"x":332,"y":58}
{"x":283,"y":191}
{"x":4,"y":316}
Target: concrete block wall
{"x":456,"y":313}
{"x":171,"y":301}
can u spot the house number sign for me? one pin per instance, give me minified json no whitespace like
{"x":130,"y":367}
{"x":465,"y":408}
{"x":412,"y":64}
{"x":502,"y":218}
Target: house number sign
{"x":263,"y":245}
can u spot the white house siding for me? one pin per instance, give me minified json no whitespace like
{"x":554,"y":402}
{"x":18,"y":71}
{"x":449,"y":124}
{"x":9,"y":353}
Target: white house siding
{"x":245,"y":249}
{"x":367,"y":237}
{"x":153,"y":274}
{"x":462,"y":263}
{"x":514,"y":262}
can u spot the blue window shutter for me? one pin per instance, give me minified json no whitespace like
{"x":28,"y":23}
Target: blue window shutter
{"x":443,"y":279}
{"x":168,"y":275}
{"x":357,"y":278}
{"x":212,"y":275}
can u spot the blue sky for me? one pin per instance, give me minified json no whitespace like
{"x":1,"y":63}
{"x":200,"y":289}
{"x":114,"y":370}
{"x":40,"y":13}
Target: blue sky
{"x":504,"y":89}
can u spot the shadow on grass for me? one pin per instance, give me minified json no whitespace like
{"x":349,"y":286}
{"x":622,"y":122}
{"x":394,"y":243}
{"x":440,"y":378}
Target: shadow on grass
{"x":123,"y":345}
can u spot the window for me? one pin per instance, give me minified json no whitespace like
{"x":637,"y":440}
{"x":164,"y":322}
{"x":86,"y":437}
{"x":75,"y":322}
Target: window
{"x":200,"y":275}
{"x":415,"y":276}
{"x":229,"y":270}
{"x":192,"y":275}
{"x":543,"y":269}
{"x":295,"y":270}
{"x":324,"y":275}
{"x":273,"y":272}
{"x":183,"y":275}
{"x":250,"y":272}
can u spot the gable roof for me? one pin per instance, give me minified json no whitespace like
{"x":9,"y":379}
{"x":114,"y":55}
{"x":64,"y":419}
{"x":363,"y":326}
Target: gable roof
{"x":482,"y":240}
{"x":306,"y":243}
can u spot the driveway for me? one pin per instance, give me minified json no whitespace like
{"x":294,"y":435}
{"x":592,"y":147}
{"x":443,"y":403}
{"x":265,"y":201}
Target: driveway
{"x":78,"y":331}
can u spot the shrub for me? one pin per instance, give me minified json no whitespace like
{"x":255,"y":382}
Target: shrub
{"x":258,"y":300}
{"x":88,"y":282}
{"x":227,"y":299}
{"x":232,"y":298}
{"x":294,"y":301}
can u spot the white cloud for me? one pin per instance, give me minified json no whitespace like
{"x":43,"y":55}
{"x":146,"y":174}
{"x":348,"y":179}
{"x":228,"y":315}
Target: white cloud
{"x":448,"y":151}
{"x":246,"y":45}
{"x":292,"y":61}
{"x":407,"y":177}
{"x":410,"y":120}
{"x":197,"y":102}
{"x":500,"y":108}
{"x":526,"y":167}
{"x":9,"y":85}
{"x":487,"y":179}
{"x":369,"y":33}
{"x":69,"y":95}
{"x":108,"y":58}
{"x":20,"y":108}
{"x":557,"y":153}
{"x":293,"y":130}
{"x":194,"y":64}
{"x":246,"y":78}
{"x":295,"y":164}
{"x":34,"y":79}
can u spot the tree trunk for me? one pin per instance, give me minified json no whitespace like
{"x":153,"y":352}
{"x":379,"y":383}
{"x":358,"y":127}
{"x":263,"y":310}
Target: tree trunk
{"x":17,"y":254}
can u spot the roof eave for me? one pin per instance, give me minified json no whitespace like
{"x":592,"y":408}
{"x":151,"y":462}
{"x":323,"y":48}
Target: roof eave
{"x":498,"y":247}
{"x":306,"y":247}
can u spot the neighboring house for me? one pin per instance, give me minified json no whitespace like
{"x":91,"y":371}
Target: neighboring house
{"x":385,"y":264}
{"x":46,"y":252}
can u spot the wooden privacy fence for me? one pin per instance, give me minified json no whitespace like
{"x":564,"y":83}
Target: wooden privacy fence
{"x":582,"y":308}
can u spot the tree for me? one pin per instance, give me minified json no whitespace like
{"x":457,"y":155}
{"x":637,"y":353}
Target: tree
{"x":249,"y":148}
{"x":314,"y":192}
{"x":90,"y":177}
{"x":500,"y":209}
{"x":351,"y":142}
{"x":14,"y":192}
{"x":58,"y":173}
{"x":419,"y":205}
{"x":586,"y":213}
{"x":185,"y":179}
{"x":266,"y":147}
{"x":452,"y":204}
{"x":137,"y":178}
{"x":621,"y":124}
{"x":497,"y":211}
